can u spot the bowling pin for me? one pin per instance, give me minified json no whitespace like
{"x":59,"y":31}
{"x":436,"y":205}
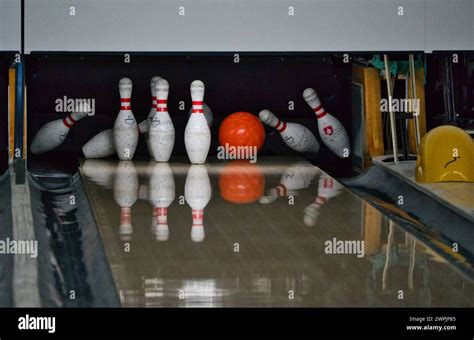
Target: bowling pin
{"x":207,"y":114}
{"x":197,"y":135}
{"x":54,"y":133}
{"x":102,"y":144}
{"x":161,"y":133}
{"x":328,"y":188}
{"x":126,"y":131}
{"x":296,"y":136}
{"x":331,"y":130}
{"x":162,"y":193}
{"x":99,"y":171}
{"x":153,"y":82}
{"x":294,"y":178}
{"x":197,"y":193}
{"x":125,"y":195}
{"x":152,"y":112}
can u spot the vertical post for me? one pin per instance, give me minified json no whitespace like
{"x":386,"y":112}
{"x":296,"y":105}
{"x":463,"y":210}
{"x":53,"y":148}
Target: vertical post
{"x":393,"y":127}
{"x":20,"y":159}
{"x":417,"y":111}
{"x":11,"y":112}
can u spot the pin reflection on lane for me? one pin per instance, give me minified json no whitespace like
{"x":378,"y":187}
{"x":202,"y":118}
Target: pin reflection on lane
{"x":328,"y":188}
{"x":295,"y":178}
{"x":100,"y":171}
{"x":197,"y":192}
{"x":162,"y":193}
{"x":276,"y":253}
{"x":126,"y":194}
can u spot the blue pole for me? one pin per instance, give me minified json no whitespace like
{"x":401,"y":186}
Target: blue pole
{"x":19,"y":157}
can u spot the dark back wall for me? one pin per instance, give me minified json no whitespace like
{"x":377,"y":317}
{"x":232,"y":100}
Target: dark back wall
{"x":257,"y":82}
{"x":463,"y":86}
{"x":3,"y":114}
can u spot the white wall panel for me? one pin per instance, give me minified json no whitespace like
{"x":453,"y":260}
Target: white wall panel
{"x":224,"y":25}
{"x":10,"y":25}
{"x":449,"y":25}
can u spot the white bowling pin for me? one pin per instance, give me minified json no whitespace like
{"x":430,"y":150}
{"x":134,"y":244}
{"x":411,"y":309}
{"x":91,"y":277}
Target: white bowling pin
{"x":102,"y":144}
{"x":161,"y":133}
{"x":197,"y":135}
{"x":152,"y":112}
{"x":296,"y":136}
{"x":295,"y":178}
{"x":331,"y":130}
{"x":328,"y":188}
{"x":162,"y":193}
{"x":100,"y":172}
{"x":53,"y":134}
{"x":125,"y":127}
{"x":126,"y":194}
{"x":207,"y":114}
{"x":153,"y":82}
{"x":197,"y":193}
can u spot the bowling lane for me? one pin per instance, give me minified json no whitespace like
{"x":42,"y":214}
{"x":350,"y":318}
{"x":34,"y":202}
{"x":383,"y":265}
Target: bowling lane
{"x":277,"y":233}
{"x":6,"y":231}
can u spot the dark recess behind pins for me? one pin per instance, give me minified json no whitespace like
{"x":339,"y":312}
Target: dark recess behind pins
{"x":257,"y":82}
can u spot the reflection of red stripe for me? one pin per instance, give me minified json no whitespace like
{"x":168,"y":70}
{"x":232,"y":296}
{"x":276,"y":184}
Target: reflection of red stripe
{"x":161,"y":109}
{"x":198,"y":216}
{"x":161,"y":101}
{"x":321,"y":200}
{"x":126,"y":216}
{"x":198,"y":102}
{"x":162,"y":211}
{"x":161,"y":215}
{"x":128,"y":108}
{"x":281,"y":190}
{"x":125,"y":100}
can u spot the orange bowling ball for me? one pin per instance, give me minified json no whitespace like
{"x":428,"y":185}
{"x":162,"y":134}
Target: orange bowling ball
{"x":241,"y":182}
{"x":242,"y":129}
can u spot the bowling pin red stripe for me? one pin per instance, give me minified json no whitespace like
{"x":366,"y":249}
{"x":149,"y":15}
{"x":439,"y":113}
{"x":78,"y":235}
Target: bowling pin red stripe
{"x":69,"y":121}
{"x":281,"y":126}
{"x":163,"y":103}
{"x":197,"y":107}
{"x":318,"y":113}
{"x":123,"y":102}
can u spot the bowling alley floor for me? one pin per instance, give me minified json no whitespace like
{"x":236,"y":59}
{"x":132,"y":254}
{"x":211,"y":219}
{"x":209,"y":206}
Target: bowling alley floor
{"x":276,"y":254}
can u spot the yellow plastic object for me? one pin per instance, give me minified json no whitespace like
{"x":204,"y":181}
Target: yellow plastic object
{"x":446,"y":155}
